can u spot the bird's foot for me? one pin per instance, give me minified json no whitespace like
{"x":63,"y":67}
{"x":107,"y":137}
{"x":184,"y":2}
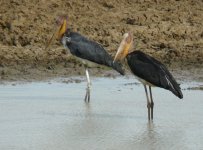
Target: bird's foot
{"x":87,"y":96}
{"x":148,"y":108}
{"x":152,"y":108}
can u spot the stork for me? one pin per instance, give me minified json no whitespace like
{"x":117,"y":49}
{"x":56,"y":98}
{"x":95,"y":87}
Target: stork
{"x":86,"y":50}
{"x":149,"y":71}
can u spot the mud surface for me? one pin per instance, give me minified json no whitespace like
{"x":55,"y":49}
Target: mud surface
{"x":171,"y":31}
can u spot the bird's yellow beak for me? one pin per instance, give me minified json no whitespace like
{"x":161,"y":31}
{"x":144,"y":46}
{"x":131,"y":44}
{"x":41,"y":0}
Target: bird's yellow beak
{"x":62,"y":29}
{"x":125,"y":46}
{"x":62,"y":21}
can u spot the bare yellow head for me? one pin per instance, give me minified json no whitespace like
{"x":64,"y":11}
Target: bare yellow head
{"x":125,"y":46}
{"x":62,"y":24}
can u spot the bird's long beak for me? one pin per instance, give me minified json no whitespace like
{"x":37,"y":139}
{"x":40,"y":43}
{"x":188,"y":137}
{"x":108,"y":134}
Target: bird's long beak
{"x":125,"y":46}
{"x":59,"y":32}
{"x":62,"y":29}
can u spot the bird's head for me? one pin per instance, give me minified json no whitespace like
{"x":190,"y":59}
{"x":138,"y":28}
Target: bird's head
{"x":62,"y":23}
{"x":125,"y":47}
{"x":62,"y":26}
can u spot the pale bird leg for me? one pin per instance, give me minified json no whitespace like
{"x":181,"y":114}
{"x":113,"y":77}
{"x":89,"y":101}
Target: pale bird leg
{"x":87,"y":96}
{"x":148,"y":102}
{"x":151,"y":103}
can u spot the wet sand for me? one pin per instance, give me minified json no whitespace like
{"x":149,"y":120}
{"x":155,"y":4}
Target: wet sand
{"x":52,"y":115}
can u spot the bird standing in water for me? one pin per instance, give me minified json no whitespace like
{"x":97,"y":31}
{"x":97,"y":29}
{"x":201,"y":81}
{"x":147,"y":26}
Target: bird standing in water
{"x":149,"y":71}
{"x":85,"y":49}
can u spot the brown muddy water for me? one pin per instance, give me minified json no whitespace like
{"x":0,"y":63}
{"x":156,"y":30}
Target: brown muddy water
{"x":52,"y":115}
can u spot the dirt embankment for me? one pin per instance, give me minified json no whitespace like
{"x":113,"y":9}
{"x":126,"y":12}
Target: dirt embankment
{"x":171,"y":31}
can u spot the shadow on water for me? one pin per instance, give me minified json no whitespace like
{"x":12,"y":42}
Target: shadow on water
{"x":55,"y":116}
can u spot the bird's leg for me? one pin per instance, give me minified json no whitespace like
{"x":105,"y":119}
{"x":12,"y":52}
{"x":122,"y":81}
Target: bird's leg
{"x":87,"y":96}
{"x":152,"y":102}
{"x":148,"y":102}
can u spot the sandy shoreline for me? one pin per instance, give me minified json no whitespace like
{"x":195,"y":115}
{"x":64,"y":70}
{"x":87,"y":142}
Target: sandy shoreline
{"x":28,"y":74}
{"x":170,"y":31}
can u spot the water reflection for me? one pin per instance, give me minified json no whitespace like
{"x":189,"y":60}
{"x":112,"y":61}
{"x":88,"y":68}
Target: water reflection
{"x":46,"y":116}
{"x":149,"y":138}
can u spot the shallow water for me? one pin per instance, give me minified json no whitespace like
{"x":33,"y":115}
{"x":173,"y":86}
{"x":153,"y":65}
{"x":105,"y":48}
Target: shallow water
{"x":53,"y":116}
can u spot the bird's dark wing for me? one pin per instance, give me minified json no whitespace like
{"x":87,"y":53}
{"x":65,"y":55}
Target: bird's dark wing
{"x":90,"y":50}
{"x":152,"y":71}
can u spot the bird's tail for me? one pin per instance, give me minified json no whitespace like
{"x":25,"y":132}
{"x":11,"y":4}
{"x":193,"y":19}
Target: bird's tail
{"x":176,"y":90}
{"x":170,"y":83}
{"x":118,"y":67}
{"x":178,"y":93}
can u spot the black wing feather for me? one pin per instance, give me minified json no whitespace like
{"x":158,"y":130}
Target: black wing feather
{"x":153,"y":71}
{"x":84,"y":48}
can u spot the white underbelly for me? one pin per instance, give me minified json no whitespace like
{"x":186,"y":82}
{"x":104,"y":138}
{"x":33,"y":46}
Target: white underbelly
{"x":144,"y":81}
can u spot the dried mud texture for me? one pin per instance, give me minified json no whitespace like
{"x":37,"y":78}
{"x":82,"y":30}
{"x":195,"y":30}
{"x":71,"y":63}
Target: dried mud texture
{"x":171,"y":31}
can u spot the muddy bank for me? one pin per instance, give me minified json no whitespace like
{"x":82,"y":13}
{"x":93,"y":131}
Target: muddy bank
{"x":171,"y":31}
{"x":29,"y":74}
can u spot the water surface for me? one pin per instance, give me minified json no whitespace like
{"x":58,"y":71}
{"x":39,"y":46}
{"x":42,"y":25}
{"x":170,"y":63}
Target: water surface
{"x":53,"y":115}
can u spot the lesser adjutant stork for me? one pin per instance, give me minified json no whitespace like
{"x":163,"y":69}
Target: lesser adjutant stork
{"x":149,"y":71}
{"x":81,"y":47}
